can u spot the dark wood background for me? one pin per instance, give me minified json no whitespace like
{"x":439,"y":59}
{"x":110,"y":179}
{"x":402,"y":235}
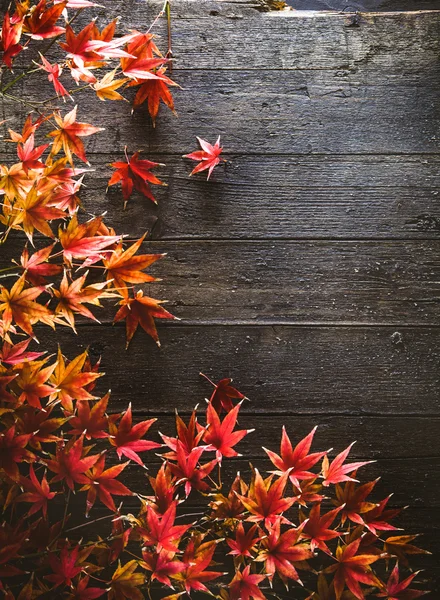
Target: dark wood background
{"x":308,"y":269}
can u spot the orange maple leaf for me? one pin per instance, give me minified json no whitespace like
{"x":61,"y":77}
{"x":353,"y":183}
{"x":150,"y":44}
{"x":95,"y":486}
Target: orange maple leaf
{"x":68,"y":134}
{"x":141,"y":310}
{"x":18,"y":305}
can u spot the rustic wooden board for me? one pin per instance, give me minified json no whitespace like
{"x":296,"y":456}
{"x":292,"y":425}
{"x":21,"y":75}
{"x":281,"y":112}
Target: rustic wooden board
{"x":285,"y":370}
{"x":308,"y":268}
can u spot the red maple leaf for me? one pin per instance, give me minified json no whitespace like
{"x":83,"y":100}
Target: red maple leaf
{"x":64,"y":567}
{"x":297,"y":461}
{"x":127,"y":437}
{"x":209,"y":156}
{"x":187,"y":469}
{"x":17,"y":353}
{"x":220,"y":435}
{"x":67,"y":136}
{"x":316,"y":527}
{"x":161,"y":530}
{"x":265,"y":500}
{"x":84,"y":241}
{"x":141,"y":310}
{"x":244,"y":586}
{"x":37,"y":267}
{"x":244,"y":541}
{"x":400,"y":590}
{"x":40,"y":22}
{"x":135,"y":174}
{"x":70,"y":464}
{"x":352,"y":569}
{"x":189,"y":436}
{"x":54,"y":73}
{"x":29,"y":155}
{"x":336,"y":471}
{"x":103,"y":484}
{"x":10,"y":39}
{"x":281,"y":551}
{"x":91,"y":421}
{"x":139,"y":62}
{"x":38,"y":493}
{"x":197,"y":559}
{"x":153,"y":91}
{"x":162,"y":565}
{"x":223,"y":394}
{"x":83,"y":592}
{"x":13,"y":451}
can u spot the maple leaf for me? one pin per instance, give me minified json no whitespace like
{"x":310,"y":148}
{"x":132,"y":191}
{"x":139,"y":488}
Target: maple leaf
{"x":139,"y":62}
{"x":40,"y":22}
{"x":72,"y":296}
{"x":103,"y":484}
{"x":244,"y":542}
{"x":161,"y":531}
{"x":353,"y":500}
{"x":13,"y":451}
{"x":33,"y":212}
{"x":54,"y":73}
{"x":91,"y":421}
{"x":220,"y":435}
{"x":153,"y":91}
{"x":39,"y":425}
{"x":29,"y":155}
{"x":135,"y":174}
{"x":29,"y":128}
{"x":124,"y":267}
{"x":316,"y":527}
{"x":208,"y":156}
{"x":83,"y":241}
{"x":38,"y":493}
{"x":244,"y":585}
{"x":197,"y":557}
{"x":223,"y":394}
{"x":377,"y":518}
{"x":141,"y":310}
{"x":400,"y":590}
{"x":399,"y":546}
{"x":10,"y":39}
{"x":189,"y":435}
{"x":67,"y":136}
{"x":229,"y":507}
{"x":281,"y":551}
{"x":127,"y":437}
{"x":187,"y":470}
{"x":106,"y":88}
{"x":164,"y":489}
{"x":37,"y":267}
{"x":17,"y":354}
{"x":70,"y":381}
{"x":69,"y":464}
{"x":162,"y":565}
{"x":265,"y":499}
{"x":125,"y":582}
{"x":352,"y":569}
{"x":83,"y":592}
{"x":64,"y":567}
{"x":33,"y":381}
{"x":309,"y":492}
{"x":297,"y":461}
{"x":336,"y":471}
{"x":66,"y":197}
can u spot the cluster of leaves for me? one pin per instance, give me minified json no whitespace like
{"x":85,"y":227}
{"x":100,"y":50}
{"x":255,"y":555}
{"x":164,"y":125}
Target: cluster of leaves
{"x":57,"y":437}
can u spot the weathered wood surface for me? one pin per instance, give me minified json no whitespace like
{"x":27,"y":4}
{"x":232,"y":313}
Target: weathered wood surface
{"x":284,"y":370}
{"x":308,"y":267}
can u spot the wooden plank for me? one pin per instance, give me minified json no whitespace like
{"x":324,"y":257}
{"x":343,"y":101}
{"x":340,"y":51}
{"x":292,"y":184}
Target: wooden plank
{"x":292,"y":40}
{"x":295,"y":282}
{"x":291,"y":197}
{"x":270,"y":112}
{"x":284,"y":370}
{"x":376,"y":437}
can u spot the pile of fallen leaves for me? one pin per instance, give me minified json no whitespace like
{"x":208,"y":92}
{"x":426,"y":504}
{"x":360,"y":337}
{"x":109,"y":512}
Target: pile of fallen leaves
{"x":188,"y":528}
